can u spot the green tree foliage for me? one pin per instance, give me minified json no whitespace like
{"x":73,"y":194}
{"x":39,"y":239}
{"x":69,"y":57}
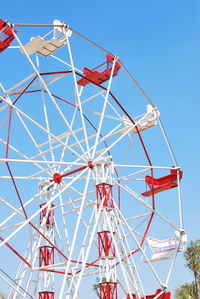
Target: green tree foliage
{"x":186,"y":291}
{"x":96,"y":286}
{"x":192,"y":257}
{"x":96,"y":289}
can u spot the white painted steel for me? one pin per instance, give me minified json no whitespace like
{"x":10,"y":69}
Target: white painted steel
{"x":85,"y":145}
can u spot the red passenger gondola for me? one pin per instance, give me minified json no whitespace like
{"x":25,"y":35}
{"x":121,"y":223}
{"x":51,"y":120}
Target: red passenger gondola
{"x":93,"y":76}
{"x":6,"y":35}
{"x":164,"y":183}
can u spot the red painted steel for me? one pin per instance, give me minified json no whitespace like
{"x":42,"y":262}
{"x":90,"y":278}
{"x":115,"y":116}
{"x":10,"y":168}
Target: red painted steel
{"x":58,"y":177}
{"x":6,"y":35}
{"x":106,"y":246}
{"x":90,"y":165}
{"x":46,"y":295}
{"x":114,"y":98}
{"x":165,"y":179}
{"x":159,"y":189}
{"x":108,"y":290}
{"x":93,"y":76}
{"x":16,"y":252}
{"x":145,"y":151}
{"x":24,"y":90}
{"x":8,"y":135}
{"x":151,"y":171}
{"x":164,"y":183}
{"x":50,"y":221}
{"x":132,"y":296}
{"x":46,"y":256}
{"x":33,"y":226}
{"x":162,"y":296}
{"x":104,"y":193}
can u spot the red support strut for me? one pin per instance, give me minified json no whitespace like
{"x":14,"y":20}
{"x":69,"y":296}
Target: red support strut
{"x":46,"y":256}
{"x":105,"y":245}
{"x":108,"y":290}
{"x":49,"y":218}
{"x":104,"y":193}
{"x":46,"y":295}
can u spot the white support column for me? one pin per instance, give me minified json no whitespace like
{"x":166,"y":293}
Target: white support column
{"x":74,"y":237}
{"x":79,"y":101}
{"x":103,"y":110}
{"x":45,"y":251}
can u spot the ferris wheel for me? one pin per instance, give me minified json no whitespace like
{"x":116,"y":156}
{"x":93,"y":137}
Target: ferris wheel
{"x":90,"y":187}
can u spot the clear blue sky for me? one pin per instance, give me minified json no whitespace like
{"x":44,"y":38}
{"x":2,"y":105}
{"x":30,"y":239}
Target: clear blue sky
{"x":158,"y":41}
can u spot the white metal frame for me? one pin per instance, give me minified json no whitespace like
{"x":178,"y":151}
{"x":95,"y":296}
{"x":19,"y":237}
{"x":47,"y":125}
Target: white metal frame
{"x":74,"y":196}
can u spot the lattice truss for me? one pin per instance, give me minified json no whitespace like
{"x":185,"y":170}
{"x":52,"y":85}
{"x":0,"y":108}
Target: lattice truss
{"x":84,"y":163}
